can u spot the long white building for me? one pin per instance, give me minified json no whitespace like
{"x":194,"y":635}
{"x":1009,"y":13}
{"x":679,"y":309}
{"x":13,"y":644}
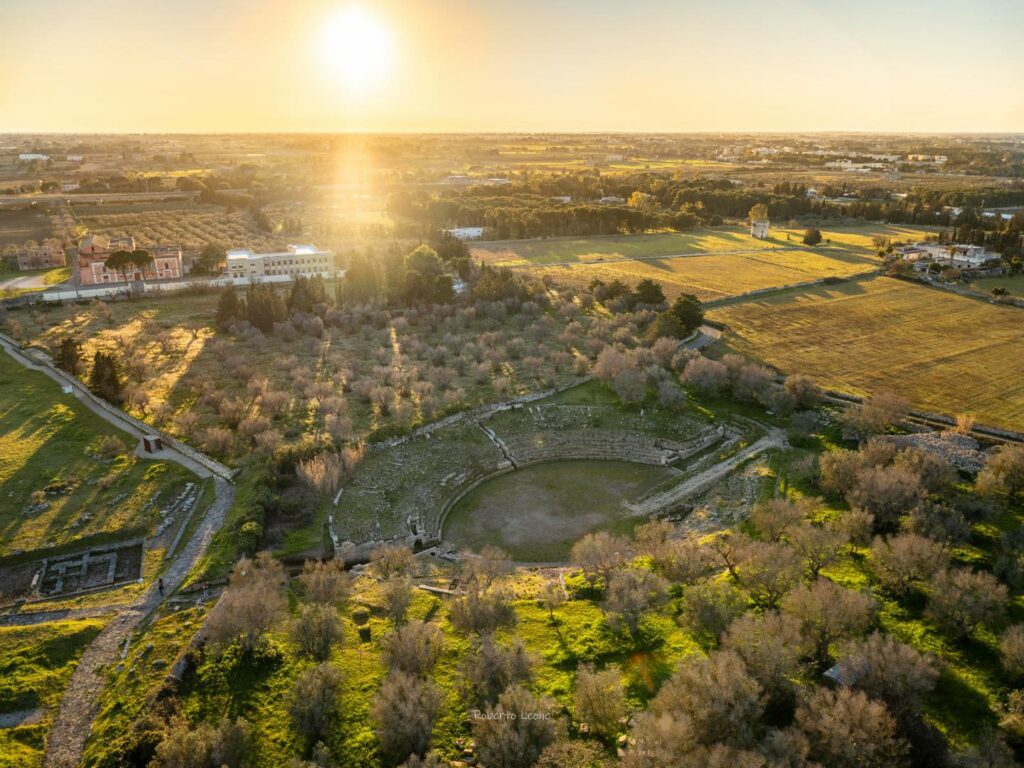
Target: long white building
{"x":297,"y":261}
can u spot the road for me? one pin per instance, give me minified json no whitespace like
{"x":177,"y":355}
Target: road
{"x":24,"y":282}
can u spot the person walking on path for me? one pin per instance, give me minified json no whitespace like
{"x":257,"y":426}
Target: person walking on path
{"x":160,"y":586}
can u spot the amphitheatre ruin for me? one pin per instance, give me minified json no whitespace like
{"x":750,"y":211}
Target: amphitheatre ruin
{"x":532,"y":477}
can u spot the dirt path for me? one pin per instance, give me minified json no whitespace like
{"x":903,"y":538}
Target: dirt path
{"x":776,"y":438}
{"x":81,"y":699}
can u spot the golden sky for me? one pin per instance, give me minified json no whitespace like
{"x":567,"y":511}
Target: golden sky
{"x":503,"y":65}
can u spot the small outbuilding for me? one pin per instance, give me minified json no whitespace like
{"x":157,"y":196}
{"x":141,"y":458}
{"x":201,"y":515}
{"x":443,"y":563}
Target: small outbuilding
{"x":152,"y":443}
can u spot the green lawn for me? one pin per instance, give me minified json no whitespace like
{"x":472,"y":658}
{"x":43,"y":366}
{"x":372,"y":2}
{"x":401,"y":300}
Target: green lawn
{"x":1014,"y":284}
{"x":48,"y":442}
{"x":36,"y":663}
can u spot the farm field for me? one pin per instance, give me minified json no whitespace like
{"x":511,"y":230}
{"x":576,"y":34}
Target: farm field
{"x":49,"y":463}
{"x":537,"y":513}
{"x":17,"y":226}
{"x":944,"y":352}
{"x":595,"y":249}
{"x":36,"y":663}
{"x":718,"y":275}
{"x":855,"y":241}
{"x":190,"y":224}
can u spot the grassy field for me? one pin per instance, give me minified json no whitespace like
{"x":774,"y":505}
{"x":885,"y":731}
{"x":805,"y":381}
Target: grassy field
{"x":855,"y":241}
{"x":719,"y":275}
{"x":537,"y":513}
{"x":1014,"y":284}
{"x":47,"y":446}
{"x":947,"y":353}
{"x":36,"y":663}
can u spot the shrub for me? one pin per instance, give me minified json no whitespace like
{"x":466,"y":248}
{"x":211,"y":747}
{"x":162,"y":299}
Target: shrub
{"x":846,"y":729}
{"x":414,"y":648}
{"x":962,"y":599}
{"x":600,"y":699}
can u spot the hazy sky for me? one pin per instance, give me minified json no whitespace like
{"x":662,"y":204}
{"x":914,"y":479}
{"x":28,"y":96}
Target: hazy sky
{"x":513,"y":65}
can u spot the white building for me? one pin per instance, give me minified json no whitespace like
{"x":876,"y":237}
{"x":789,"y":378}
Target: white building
{"x":759,"y":229}
{"x":466,"y":233}
{"x":296,"y":261}
{"x":68,"y":186}
{"x":28,"y":157}
{"x":955,"y":255}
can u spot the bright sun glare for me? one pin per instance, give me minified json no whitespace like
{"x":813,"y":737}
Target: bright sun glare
{"x":358,"y":47}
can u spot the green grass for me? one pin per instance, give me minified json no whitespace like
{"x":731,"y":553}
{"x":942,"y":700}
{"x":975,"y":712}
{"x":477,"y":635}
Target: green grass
{"x":36,"y":663}
{"x":595,"y":249}
{"x":538,"y":512}
{"x":944,"y":352}
{"x":49,"y":438}
{"x":1014,"y":284}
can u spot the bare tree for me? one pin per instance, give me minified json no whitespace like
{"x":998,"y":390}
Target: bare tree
{"x":573,"y":754}
{"x":631,"y":593}
{"x":846,"y":729}
{"x":1003,"y":473}
{"x":1011,"y":645}
{"x":901,"y":562}
{"x":414,"y":647}
{"x":771,"y":645}
{"x":389,"y":560}
{"x":806,"y":393}
{"x":404,"y":710}
{"x":817,"y":545}
{"x":773,"y":518}
{"x":325,"y":581}
{"x":316,"y":630}
{"x":480,"y":571}
{"x":516,"y":742}
{"x":886,"y":492}
{"x":396,"y":593}
{"x":962,"y":599}
{"x":829,"y":613}
{"x":710,"y":607}
{"x":313,"y":702}
{"x":491,"y":668}
{"x":721,"y":700}
{"x":875,"y":415}
{"x":767,"y":571}
{"x":600,"y":699}
{"x":888,"y":670}
{"x":253,"y":603}
{"x":598,"y":553}
{"x":482,"y":612}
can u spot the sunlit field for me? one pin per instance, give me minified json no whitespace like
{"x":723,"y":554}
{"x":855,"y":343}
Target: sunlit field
{"x":50,"y":463}
{"x":947,"y":353}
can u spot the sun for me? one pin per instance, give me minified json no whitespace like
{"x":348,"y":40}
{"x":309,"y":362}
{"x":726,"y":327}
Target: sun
{"x":358,"y":47}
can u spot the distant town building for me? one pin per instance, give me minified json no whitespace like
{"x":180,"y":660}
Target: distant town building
{"x":94,"y":251}
{"x":612,"y":200}
{"x":466,"y":233}
{"x":297,"y":261}
{"x":28,"y":157}
{"x":459,"y":179}
{"x":75,"y":158}
{"x":759,"y":229}
{"x":68,"y":186}
{"x":563,"y":198}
